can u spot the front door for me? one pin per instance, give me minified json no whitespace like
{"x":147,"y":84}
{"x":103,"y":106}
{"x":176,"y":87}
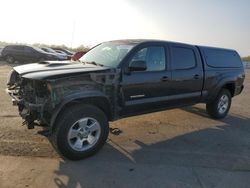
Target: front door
{"x":146,"y":90}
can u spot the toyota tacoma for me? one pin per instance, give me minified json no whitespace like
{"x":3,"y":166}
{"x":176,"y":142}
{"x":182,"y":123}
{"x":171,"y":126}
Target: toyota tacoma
{"x":117,"y":79}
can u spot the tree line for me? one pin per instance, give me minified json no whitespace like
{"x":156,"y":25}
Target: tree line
{"x":246,"y":58}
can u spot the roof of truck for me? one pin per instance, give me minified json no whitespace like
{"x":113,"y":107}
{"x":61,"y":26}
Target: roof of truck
{"x":138,"y":41}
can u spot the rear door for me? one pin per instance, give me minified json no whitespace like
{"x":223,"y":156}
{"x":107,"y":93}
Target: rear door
{"x":146,"y":90}
{"x":187,"y":74}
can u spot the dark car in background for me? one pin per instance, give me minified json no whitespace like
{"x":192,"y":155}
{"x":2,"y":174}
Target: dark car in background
{"x":12,"y":53}
{"x":64,"y":50}
{"x":59,"y":55}
{"x":1,"y":49}
{"x":64,"y":54}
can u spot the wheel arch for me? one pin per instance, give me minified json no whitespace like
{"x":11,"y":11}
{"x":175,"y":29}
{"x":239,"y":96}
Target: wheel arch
{"x":223,"y":84}
{"x":97,"y":99}
{"x":230,"y":86}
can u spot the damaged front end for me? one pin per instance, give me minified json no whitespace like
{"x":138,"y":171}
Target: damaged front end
{"x":31,"y":97}
{"x":39,"y":99}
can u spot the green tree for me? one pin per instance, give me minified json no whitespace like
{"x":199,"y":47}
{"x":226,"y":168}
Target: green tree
{"x":246,"y":58}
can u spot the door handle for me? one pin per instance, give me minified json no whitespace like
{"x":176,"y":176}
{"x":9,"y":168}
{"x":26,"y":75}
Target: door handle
{"x":196,"y":76}
{"x":164,"y":79}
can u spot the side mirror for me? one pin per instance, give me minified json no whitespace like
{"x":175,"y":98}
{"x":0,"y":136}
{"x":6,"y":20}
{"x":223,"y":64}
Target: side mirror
{"x":137,"y":66}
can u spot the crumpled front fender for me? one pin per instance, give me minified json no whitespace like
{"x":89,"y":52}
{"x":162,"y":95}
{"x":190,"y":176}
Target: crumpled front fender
{"x":76,"y":97}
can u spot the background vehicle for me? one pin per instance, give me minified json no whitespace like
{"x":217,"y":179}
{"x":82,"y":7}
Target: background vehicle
{"x":1,"y":49}
{"x":118,"y":79}
{"x":64,"y":50}
{"x":63,"y":53}
{"x":78,"y":55}
{"x":12,"y":53}
{"x":51,"y":51}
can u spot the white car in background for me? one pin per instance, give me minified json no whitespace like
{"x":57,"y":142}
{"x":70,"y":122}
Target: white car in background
{"x":59,"y":55}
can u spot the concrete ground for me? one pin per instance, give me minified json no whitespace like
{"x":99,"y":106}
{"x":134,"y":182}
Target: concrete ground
{"x":180,"y":148}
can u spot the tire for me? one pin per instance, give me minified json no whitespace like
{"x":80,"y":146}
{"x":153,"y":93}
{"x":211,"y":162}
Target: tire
{"x":80,"y":131}
{"x":10,"y":59}
{"x":220,"y":106}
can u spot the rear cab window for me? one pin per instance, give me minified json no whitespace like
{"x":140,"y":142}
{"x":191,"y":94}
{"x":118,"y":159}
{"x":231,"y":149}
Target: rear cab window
{"x":221,"y":58}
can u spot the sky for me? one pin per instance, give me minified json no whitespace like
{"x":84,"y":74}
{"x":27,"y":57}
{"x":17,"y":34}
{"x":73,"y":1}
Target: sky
{"x":221,"y":23}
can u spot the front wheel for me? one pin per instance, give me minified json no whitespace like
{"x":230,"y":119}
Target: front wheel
{"x":220,"y":106}
{"x":80,"y":131}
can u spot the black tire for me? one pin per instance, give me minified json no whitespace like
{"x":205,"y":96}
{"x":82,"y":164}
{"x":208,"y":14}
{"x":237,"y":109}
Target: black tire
{"x":10,"y":59}
{"x":213,"y":108}
{"x":67,"y":119}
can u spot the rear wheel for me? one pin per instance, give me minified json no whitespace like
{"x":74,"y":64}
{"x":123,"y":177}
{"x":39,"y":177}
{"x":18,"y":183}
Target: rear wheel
{"x":10,"y":59}
{"x":220,"y":106}
{"x":80,"y":131}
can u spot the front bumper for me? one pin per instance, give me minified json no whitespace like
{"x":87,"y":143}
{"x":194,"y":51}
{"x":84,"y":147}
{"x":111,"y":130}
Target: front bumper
{"x":28,"y":111}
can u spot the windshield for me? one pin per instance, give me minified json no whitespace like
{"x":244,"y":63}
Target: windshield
{"x":108,"y":54}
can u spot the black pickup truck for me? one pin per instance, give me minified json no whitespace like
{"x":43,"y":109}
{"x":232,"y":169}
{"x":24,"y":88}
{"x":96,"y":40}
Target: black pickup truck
{"x":116,"y":79}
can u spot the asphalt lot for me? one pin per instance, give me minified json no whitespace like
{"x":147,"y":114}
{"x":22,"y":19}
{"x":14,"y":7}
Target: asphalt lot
{"x":176,"y":148}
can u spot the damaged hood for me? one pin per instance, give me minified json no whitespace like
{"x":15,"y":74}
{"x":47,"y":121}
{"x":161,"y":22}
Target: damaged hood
{"x":55,"y":69}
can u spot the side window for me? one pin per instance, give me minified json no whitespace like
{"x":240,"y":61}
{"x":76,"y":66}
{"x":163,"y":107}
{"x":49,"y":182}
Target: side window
{"x":28,"y":49}
{"x":140,"y":55}
{"x":13,"y":48}
{"x":154,"y":58}
{"x":19,"y":48}
{"x":183,"y":58}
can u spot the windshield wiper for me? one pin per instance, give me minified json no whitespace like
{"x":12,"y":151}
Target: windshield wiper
{"x":93,"y":63}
